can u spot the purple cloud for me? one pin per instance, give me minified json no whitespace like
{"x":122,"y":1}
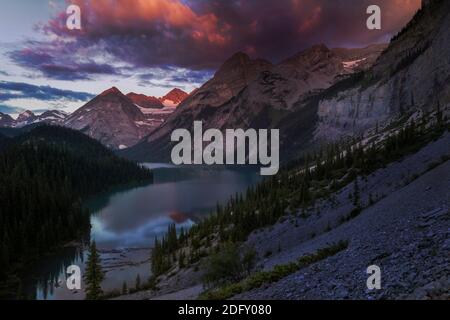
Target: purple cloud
{"x":201,"y":34}
{"x":19,"y":90}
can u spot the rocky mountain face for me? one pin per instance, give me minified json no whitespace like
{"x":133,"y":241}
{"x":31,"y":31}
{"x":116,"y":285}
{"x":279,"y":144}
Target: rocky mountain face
{"x":6,"y":120}
{"x":54,"y":117}
{"x":119,"y":121}
{"x":359,"y":59}
{"x":173,"y":98}
{"x":147,"y":102}
{"x":248,"y":93}
{"x":111,"y":118}
{"x":412,"y":74}
{"x":157,"y":110}
{"x":26,"y":117}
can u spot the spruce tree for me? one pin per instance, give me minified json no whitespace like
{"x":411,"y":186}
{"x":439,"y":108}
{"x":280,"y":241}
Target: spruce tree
{"x":138,"y":282}
{"x":94,"y":274}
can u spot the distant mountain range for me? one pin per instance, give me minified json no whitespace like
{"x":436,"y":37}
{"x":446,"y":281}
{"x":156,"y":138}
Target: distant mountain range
{"x":243,"y":93}
{"x":172,"y":99}
{"x":248,"y":93}
{"x":115,"y":119}
{"x":120,"y":121}
{"x":28,"y":117}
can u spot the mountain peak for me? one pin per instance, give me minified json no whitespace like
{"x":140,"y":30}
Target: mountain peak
{"x":176,"y":91}
{"x":133,"y":95}
{"x":26,"y":116}
{"x":240,"y":56}
{"x":238,"y":70}
{"x":5,"y":116}
{"x":143,"y":101}
{"x":242,"y":60}
{"x":319,"y":47}
{"x":112,"y":90}
{"x":174,"y":97}
{"x":310,"y":56}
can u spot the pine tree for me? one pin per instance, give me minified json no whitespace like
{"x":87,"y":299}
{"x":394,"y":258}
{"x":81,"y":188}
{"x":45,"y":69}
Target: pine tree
{"x":138,"y":282}
{"x":94,"y":274}
{"x":181,"y":260}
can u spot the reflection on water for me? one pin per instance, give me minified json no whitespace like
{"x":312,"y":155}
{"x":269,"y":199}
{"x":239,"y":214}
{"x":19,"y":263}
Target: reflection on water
{"x":126,"y":222}
{"x":54,"y":268}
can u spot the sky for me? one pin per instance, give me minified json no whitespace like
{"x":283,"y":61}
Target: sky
{"x":152,"y":46}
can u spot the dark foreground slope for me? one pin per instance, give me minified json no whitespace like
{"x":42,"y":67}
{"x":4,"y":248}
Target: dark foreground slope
{"x":44,"y":175}
{"x":406,"y":233}
{"x":316,"y":228}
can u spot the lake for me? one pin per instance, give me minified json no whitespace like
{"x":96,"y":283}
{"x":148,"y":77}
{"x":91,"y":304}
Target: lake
{"x":125,"y":223}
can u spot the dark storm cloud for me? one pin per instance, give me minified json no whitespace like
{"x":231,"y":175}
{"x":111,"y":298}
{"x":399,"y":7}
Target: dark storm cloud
{"x":201,"y":34}
{"x":18,"y":90}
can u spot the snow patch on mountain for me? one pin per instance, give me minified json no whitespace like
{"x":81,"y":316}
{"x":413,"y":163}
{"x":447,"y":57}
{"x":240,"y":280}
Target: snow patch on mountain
{"x":352,"y":64}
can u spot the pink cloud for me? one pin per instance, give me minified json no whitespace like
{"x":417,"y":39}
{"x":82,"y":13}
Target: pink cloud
{"x":201,"y":34}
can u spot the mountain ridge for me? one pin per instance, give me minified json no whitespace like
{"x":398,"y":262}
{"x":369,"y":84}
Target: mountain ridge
{"x":173,"y":98}
{"x":247,"y":92}
{"x":111,"y":117}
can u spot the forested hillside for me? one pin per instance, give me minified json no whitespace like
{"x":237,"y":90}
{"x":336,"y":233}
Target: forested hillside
{"x":44,"y":176}
{"x":294,"y":192}
{"x":4,"y":141}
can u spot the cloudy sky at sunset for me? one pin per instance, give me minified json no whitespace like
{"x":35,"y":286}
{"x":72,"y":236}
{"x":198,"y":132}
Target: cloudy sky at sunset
{"x":151,"y":46}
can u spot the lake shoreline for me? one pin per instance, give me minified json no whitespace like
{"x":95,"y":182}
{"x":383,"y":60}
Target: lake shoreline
{"x":125,"y":222}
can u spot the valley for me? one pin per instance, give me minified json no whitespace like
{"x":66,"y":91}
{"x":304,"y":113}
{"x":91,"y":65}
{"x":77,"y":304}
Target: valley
{"x":335,"y":229}
{"x":116,"y":120}
{"x":155,"y":197}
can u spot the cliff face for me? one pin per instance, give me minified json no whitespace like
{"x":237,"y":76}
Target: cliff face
{"x":412,"y":74}
{"x":174,"y":98}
